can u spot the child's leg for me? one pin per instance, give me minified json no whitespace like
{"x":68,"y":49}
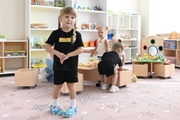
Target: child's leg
{"x":54,"y":108}
{"x":72,"y":110}
{"x":114,"y":88}
{"x":105,"y":85}
{"x":72,"y":94}
{"x":114,"y":79}
{"x":56,"y":91}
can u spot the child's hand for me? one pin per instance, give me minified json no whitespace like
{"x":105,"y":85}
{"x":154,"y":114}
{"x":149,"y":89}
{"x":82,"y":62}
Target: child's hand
{"x":60,"y":55}
{"x":120,"y":69}
{"x":91,"y":55}
{"x":65,"y":58}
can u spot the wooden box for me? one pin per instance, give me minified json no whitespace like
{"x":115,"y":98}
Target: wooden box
{"x":124,"y":77}
{"x":26,"y":77}
{"x":140,"y":69}
{"x":164,"y":69}
{"x":78,"y":85}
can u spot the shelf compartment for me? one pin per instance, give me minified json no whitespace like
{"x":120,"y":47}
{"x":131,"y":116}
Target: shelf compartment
{"x":11,"y":46}
{"x":20,"y":63}
{"x":171,"y":53}
{"x":38,"y":54}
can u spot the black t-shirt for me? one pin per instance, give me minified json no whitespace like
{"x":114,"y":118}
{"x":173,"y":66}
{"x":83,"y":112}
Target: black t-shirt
{"x":111,"y":57}
{"x":62,"y":42}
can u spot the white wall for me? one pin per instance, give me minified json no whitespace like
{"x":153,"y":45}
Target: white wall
{"x":164,"y":16}
{"x":143,"y":10}
{"x":123,"y":5}
{"x":159,"y":16}
{"x":12,"y":19}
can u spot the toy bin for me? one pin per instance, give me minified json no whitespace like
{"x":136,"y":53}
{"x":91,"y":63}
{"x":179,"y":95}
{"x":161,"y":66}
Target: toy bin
{"x":78,"y":85}
{"x":124,"y":78}
{"x":164,"y":69}
{"x":140,"y":69}
{"x":170,"y":44}
{"x":14,"y":53}
{"x":172,"y":60}
{"x":26,"y":77}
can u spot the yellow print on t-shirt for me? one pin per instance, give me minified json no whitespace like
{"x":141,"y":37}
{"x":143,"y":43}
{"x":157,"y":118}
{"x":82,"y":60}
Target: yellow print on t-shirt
{"x":64,"y":39}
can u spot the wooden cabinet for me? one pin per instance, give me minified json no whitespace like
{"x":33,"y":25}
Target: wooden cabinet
{"x":13,"y":55}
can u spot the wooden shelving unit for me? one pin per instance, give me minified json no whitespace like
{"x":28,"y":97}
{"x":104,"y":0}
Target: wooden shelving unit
{"x":10,"y":63}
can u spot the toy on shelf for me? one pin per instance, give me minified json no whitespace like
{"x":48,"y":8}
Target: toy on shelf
{"x":110,"y":35}
{"x":15,"y":52}
{"x":59,"y":3}
{"x":2,"y":37}
{"x":85,"y":26}
{"x":97,"y":8}
{"x":42,"y":2}
{"x":37,"y":63}
{"x":38,"y":43}
{"x":39,"y":25}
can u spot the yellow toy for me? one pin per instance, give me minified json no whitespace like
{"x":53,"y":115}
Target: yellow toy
{"x":134,"y":78}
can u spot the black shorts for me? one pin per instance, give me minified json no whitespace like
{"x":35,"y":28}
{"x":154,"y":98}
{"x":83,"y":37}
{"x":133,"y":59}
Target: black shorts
{"x":106,"y":68}
{"x":65,"y":76}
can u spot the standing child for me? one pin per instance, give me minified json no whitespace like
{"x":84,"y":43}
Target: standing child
{"x":109,"y":65}
{"x":102,"y":44}
{"x":67,"y":43}
{"x":114,"y":40}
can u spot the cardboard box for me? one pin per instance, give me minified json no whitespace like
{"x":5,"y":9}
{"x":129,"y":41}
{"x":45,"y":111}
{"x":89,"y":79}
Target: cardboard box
{"x":78,"y":85}
{"x":164,"y":69}
{"x":26,"y":77}
{"x":124,"y":77}
{"x":140,"y":69}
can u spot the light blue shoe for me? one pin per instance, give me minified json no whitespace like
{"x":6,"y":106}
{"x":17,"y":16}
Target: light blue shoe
{"x":70,"y":112}
{"x":56,"y":110}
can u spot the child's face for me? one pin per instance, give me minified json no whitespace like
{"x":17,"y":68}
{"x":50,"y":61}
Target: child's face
{"x":101,"y":33}
{"x":68,"y":20}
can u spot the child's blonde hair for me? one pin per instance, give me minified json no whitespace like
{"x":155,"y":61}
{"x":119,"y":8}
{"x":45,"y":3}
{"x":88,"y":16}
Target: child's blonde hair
{"x":114,"y":40}
{"x":68,"y":10}
{"x":102,"y":28}
{"x":116,"y":46}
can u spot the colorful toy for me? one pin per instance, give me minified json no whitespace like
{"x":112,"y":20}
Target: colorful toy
{"x":59,"y":3}
{"x":97,"y":8}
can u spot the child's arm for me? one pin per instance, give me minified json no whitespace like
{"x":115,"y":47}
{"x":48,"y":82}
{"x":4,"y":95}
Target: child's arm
{"x":94,"y":51}
{"x":123,"y":59}
{"x":120,"y":68}
{"x":51,"y":51}
{"x":107,"y":45}
{"x":86,"y":51}
{"x":78,"y":51}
